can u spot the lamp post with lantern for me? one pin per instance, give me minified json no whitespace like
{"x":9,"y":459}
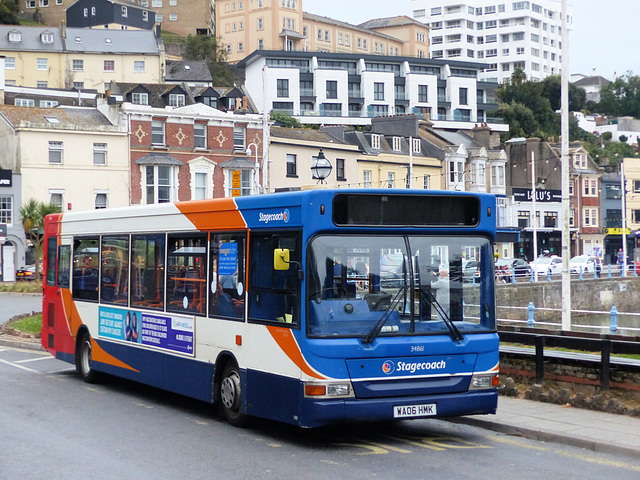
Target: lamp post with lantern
{"x":321,"y":167}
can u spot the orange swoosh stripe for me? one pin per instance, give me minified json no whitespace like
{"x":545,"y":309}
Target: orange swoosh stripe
{"x":218,"y":214}
{"x":285,"y":340}
{"x":74,"y":322}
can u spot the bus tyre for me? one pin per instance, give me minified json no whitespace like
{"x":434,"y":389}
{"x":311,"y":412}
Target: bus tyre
{"x":83,"y":360}
{"x":231,"y":395}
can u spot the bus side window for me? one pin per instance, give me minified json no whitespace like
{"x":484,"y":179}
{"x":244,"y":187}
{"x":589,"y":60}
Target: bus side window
{"x":86,"y":251}
{"x":115,"y":269}
{"x":51,"y":261}
{"x":64,"y":258}
{"x":227,"y":275}
{"x":147,"y":271}
{"x":274,"y":294}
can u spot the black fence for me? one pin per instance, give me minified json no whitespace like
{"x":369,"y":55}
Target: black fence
{"x":605,"y":344}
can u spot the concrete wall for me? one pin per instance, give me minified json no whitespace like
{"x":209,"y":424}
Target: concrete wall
{"x":589,"y":294}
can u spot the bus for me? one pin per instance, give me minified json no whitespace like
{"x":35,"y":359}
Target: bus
{"x":310,"y":308}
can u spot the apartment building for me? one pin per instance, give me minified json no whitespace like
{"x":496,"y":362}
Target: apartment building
{"x":79,"y":58}
{"x":339,"y":88}
{"x":503,"y":35}
{"x":249,"y":25}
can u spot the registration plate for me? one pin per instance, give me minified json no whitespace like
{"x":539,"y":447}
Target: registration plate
{"x":407,"y":411}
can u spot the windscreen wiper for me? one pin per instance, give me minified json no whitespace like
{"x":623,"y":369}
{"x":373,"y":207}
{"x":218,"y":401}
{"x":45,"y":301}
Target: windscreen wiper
{"x":453,"y":330}
{"x":380,"y":323}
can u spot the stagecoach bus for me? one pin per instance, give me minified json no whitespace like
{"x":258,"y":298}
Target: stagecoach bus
{"x":309,"y":308}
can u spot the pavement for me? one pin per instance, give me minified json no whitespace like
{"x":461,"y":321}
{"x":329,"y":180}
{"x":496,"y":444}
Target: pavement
{"x":563,"y":424}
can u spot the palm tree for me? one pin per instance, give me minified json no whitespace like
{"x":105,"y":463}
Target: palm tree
{"x":33,"y":213}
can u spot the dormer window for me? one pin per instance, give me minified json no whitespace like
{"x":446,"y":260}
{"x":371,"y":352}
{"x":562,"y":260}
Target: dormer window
{"x":15,"y":36}
{"x":124,"y":11}
{"x":46,"y":37}
{"x":176,"y":99}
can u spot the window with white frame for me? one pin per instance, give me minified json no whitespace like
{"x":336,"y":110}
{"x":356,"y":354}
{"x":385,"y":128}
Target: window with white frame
{"x":572,"y":217}
{"x":397,"y":144}
{"x":77,"y":65}
{"x":6,"y":209}
{"x":124,"y":12}
{"x":10,"y":63}
{"x":590,"y":217}
{"x":246,"y":177}
{"x":200,"y":186}
{"x":590,"y":187}
{"x":173,"y":17}
{"x":145,"y":16}
{"x":375,"y":141}
{"x":46,"y":37}
{"x":456,"y":172}
{"x":42,"y":84}
{"x":138,"y":65}
{"x":480,"y":173}
{"x":140,"y":98}
{"x":417,"y":145}
{"x":497,"y":175}
{"x":55,"y":152}
{"x":159,"y":184}
{"x":99,"y":153}
{"x":200,"y":135}
{"x":109,"y":65}
{"x":176,"y":99}
{"x":56,"y":198}
{"x":24,"y":102}
{"x":292,"y":165}
{"x":366,"y":178}
{"x":157,"y":132}
{"x":101,"y":200}
{"x":42,"y":63}
{"x":425,"y":182}
{"x":239,"y":138}
{"x":391,"y":178}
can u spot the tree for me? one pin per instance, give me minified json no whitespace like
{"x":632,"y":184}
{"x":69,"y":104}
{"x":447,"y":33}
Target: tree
{"x":32,"y":214}
{"x":621,"y":97}
{"x":8,"y":12}
{"x":285,"y":120}
{"x":211,"y":50}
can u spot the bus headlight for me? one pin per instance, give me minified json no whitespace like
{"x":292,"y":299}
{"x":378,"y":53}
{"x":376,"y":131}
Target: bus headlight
{"x":327,"y":389}
{"x":484,"y":381}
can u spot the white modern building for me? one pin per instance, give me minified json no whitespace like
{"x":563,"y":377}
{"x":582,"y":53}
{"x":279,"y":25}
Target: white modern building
{"x":347,"y":89}
{"x":504,"y":35}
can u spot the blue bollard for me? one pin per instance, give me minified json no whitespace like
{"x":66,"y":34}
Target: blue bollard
{"x":609,"y":271}
{"x":549,"y":275}
{"x":530,"y":320}
{"x":614,"y":319}
{"x":580,"y":277}
{"x":513,"y":277}
{"x":595,"y":272}
{"x":532,"y":276}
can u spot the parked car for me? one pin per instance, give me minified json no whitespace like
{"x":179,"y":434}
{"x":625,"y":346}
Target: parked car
{"x":470,"y":270}
{"x":544,"y":265}
{"x":28,"y":272}
{"x":582,"y":263}
{"x":521,"y":267}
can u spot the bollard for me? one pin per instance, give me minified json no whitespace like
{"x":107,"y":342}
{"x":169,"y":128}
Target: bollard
{"x":532,"y":279}
{"x":513,"y":277}
{"x":580,"y":277}
{"x":614,"y":319}
{"x":530,"y":320}
{"x":623,"y":272}
{"x":549,"y":275}
{"x":595,"y":272}
{"x":609,"y":271}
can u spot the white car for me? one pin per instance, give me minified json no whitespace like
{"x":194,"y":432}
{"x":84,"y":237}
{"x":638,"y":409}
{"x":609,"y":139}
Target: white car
{"x":582,"y":263}
{"x":544,"y":265}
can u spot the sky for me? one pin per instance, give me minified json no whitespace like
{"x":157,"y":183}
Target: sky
{"x":603,"y":41}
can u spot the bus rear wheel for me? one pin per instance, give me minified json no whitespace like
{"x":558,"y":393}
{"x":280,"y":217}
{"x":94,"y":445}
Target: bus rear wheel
{"x":83,"y":360}
{"x":231,"y":395}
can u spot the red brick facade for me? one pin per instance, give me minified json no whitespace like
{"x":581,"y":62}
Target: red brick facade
{"x":179,"y":144}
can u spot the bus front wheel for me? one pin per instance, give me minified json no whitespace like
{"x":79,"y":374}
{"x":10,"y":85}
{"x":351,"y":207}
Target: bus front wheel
{"x":83,"y":360}
{"x":231,"y":395}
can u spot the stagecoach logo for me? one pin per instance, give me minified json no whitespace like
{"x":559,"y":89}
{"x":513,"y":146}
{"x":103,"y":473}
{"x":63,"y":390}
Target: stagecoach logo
{"x":388,"y":367}
{"x":274,"y":217}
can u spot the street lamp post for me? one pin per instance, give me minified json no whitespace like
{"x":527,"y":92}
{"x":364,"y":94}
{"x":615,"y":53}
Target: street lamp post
{"x":321,"y":167}
{"x":255,"y":146}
